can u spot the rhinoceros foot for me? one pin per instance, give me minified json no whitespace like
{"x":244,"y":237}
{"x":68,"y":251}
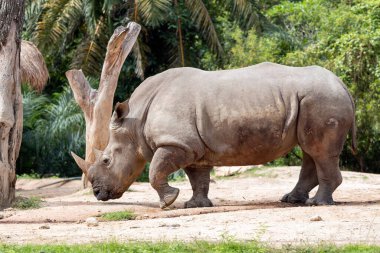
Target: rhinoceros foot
{"x":295,"y":198}
{"x":170,"y":196}
{"x":319,"y":202}
{"x":198,"y":202}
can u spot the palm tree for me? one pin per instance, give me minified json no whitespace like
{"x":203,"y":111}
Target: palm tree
{"x":55,"y":25}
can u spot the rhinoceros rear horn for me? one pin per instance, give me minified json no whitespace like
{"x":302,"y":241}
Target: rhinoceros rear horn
{"x":121,"y":109}
{"x":82,"y":164}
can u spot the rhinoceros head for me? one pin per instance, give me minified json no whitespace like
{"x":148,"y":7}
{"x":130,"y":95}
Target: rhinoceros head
{"x":119,"y":165}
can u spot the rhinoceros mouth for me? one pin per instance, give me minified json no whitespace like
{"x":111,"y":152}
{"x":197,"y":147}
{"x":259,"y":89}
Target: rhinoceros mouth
{"x":106,"y":195}
{"x":101,"y":195}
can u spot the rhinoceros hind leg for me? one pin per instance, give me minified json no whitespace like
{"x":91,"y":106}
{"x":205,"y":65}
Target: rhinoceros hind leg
{"x":319,"y":202}
{"x":200,"y":182}
{"x":329,"y":178}
{"x":307,"y":181}
{"x":166,"y":160}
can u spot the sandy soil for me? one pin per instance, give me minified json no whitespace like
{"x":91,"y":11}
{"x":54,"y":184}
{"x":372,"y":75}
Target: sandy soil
{"x":246,"y":208}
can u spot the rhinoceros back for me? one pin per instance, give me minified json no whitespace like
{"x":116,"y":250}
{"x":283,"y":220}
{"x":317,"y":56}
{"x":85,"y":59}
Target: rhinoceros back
{"x":233,"y":117}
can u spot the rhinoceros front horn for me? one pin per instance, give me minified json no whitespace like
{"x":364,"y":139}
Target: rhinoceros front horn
{"x":82,"y":164}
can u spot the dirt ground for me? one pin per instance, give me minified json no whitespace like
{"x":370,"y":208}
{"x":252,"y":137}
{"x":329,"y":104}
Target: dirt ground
{"x":247,"y":207}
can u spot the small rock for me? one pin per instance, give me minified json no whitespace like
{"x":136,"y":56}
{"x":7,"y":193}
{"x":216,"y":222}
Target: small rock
{"x":316,"y":218}
{"x":44,"y":227}
{"x":80,"y":221}
{"x":92,"y":222}
{"x":8,"y":215}
{"x":169,"y":225}
{"x":48,"y":220}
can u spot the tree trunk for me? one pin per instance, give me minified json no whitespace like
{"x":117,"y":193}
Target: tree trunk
{"x":97,"y":104}
{"x":11,"y":15}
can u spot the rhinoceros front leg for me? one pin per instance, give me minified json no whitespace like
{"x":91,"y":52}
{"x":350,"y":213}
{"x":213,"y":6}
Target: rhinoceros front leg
{"x":166,"y":160}
{"x":200,"y":182}
{"x":308,"y":179}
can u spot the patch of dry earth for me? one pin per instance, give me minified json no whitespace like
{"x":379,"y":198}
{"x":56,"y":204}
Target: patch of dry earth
{"x":246,"y":208}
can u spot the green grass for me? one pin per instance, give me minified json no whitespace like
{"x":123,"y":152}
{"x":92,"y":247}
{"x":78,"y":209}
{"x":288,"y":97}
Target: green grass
{"x":27,"y":203}
{"x":29,"y":176}
{"x":34,"y":175}
{"x":194,"y":247}
{"x":115,"y":216}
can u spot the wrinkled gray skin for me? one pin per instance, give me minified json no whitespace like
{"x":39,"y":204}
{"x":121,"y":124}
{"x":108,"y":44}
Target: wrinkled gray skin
{"x":193,"y":119}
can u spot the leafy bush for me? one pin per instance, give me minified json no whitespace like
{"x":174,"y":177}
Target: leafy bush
{"x":52,"y":128}
{"x":342,"y":36}
{"x":27,"y":203}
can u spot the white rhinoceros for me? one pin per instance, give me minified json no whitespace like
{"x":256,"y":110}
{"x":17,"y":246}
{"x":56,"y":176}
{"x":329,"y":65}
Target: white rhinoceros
{"x":194,"y":119}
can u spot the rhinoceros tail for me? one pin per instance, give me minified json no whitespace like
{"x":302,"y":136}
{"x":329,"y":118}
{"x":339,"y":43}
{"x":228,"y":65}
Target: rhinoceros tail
{"x":354,"y":145}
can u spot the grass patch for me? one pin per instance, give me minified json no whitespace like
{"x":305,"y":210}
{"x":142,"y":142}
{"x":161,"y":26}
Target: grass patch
{"x":116,"y":216}
{"x":194,"y":247}
{"x":29,"y":176}
{"x":27,"y":203}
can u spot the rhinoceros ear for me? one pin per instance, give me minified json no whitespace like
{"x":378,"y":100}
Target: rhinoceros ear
{"x":82,"y":164}
{"x":122,"y":109}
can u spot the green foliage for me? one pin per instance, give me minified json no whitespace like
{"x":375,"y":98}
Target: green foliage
{"x":27,"y":203}
{"x":345,"y":39}
{"x":144,"y":177}
{"x":31,"y":175}
{"x":293,"y":158}
{"x":154,"y":12}
{"x":52,"y":128}
{"x":342,"y":36}
{"x":117,"y":216}
{"x":192,"y":247}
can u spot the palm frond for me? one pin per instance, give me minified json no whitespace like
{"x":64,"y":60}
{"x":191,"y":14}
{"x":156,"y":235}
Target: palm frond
{"x":58,"y":20}
{"x":64,"y":112}
{"x":204,"y":22}
{"x":33,"y":105}
{"x":154,"y":12}
{"x":33,"y":12}
{"x":90,"y":53}
{"x":174,"y":55}
{"x":92,"y":10}
{"x":52,"y":127}
{"x":89,"y":57}
{"x":246,"y":11}
{"x":109,"y":4}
